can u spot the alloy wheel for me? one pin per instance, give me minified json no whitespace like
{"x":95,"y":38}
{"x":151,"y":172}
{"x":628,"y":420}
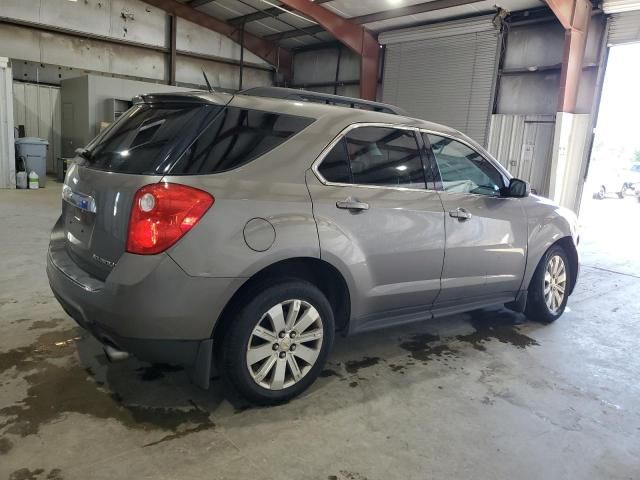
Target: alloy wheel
{"x":285,"y":344}
{"x":555,"y":283}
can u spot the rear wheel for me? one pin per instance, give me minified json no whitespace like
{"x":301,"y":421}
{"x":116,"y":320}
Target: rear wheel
{"x":549,"y":287}
{"x":622,"y":191}
{"x":279,"y":342}
{"x":600,"y":194}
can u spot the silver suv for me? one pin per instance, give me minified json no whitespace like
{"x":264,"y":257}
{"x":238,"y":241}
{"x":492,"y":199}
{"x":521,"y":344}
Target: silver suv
{"x":243,"y":232}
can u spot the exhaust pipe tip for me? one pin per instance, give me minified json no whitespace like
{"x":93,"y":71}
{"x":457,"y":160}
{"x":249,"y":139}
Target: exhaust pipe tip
{"x":115,"y":355}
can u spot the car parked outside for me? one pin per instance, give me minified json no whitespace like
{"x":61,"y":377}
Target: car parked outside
{"x":619,"y":182}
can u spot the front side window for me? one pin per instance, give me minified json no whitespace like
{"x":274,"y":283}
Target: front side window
{"x":462,"y":169}
{"x":236,"y":137}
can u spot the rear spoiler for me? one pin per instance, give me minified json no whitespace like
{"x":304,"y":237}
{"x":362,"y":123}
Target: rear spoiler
{"x":184,"y":97}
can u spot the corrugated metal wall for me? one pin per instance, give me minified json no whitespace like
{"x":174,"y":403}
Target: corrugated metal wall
{"x":38,"y":108}
{"x":143,"y":26}
{"x":624,"y":28}
{"x":444,"y":73}
{"x":523,"y":145}
{"x":316,"y":70}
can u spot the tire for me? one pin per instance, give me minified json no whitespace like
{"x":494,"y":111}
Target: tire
{"x":622,"y":191}
{"x":253,"y":336}
{"x":600,"y":194}
{"x":540,"y":307}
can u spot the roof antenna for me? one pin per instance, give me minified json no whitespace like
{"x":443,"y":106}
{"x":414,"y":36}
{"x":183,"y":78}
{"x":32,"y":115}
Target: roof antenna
{"x":209,"y":87}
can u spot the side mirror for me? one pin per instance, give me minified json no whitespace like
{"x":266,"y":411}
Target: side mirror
{"x":517,"y":188}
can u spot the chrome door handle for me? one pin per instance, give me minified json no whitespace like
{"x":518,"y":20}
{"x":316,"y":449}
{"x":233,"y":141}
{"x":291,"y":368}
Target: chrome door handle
{"x":351,"y":203}
{"x":460,"y":213}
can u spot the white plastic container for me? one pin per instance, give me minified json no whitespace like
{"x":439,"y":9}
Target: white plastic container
{"x":34,"y":184}
{"x":21,"y":180}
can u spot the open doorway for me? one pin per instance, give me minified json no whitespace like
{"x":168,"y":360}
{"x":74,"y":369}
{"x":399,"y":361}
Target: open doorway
{"x":610,"y":210}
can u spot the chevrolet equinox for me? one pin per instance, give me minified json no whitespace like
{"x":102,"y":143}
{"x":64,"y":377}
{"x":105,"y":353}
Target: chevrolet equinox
{"x":243,"y":231}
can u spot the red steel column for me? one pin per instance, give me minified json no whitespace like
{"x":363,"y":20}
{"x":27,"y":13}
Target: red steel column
{"x":356,"y":37}
{"x":574,"y":15}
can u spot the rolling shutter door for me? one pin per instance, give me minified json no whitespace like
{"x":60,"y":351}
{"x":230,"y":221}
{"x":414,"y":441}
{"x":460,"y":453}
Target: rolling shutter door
{"x":444,"y":73}
{"x":624,"y":28}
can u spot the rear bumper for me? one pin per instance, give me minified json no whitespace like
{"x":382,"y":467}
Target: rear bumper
{"x":147,"y":306}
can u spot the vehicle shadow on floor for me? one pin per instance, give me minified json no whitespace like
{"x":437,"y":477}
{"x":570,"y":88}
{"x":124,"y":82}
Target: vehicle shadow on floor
{"x":397,"y":349}
{"x":161,"y":399}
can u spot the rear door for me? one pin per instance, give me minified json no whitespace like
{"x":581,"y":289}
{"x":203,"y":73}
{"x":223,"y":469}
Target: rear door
{"x":486,"y":234}
{"x":378,"y":220}
{"x":99,"y":189}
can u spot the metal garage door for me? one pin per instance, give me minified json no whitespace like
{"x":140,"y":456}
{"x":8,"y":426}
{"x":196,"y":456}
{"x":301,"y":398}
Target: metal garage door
{"x":444,"y":73}
{"x":624,"y":28}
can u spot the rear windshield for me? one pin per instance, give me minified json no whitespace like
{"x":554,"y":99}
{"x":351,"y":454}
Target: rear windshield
{"x":189,"y":139}
{"x":148,"y":138}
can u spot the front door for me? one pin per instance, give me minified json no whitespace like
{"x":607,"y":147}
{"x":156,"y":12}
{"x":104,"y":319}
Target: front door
{"x":378,"y":221}
{"x":486,"y":234}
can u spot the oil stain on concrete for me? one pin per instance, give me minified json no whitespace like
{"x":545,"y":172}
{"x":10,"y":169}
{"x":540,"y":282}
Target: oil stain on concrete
{"x":421,"y":347}
{"x":347,"y":475}
{"x":5,"y":445}
{"x":354,"y":366}
{"x":500,"y":325}
{"x":76,"y":391}
{"x":36,"y":474}
{"x":46,"y":324}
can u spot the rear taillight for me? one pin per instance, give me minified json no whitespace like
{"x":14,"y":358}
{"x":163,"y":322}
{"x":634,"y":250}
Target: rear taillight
{"x":162,"y":213}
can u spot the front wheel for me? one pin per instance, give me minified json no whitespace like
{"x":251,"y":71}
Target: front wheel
{"x":279,"y":342}
{"x":549,"y":287}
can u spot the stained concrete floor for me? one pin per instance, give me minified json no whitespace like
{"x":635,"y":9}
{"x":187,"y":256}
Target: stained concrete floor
{"x":488,"y":395}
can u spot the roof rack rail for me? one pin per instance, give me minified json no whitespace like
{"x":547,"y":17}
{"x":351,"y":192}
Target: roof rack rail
{"x":316,"y":97}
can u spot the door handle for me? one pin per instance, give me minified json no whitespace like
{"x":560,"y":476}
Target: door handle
{"x":460,"y":213}
{"x":351,"y":203}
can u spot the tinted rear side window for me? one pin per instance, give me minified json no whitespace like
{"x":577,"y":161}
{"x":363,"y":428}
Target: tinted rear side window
{"x":385,"y":156}
{"x":335,"y":166}
{"x":236,"y":137}
{"x":147,"y":138}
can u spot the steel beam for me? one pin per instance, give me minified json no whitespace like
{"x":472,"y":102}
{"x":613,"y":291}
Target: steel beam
{"x":356,"y":37}
{"x":384,"y":15}
{"x":197,"y":3}
{"x":574,"y":16}
{"x":263,"y":48}
{"x":266,"y":13}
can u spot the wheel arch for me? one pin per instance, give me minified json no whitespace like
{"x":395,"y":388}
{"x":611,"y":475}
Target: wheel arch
{"x":569,"y":247}
{"x":319,"y":272}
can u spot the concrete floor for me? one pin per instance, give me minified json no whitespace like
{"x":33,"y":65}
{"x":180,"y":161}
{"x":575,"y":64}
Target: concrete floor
{"x":473,"y":396}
